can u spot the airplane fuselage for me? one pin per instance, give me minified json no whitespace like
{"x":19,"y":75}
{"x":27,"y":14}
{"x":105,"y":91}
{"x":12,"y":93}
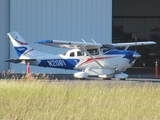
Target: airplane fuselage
{"x":104,"y":60}
{"x":81,"y":62}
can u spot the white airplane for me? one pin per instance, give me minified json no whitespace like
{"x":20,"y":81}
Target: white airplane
{"x":102,"y":60}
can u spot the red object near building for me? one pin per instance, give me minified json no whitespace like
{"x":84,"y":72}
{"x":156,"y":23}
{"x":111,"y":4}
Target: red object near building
{"x":28,"y":70}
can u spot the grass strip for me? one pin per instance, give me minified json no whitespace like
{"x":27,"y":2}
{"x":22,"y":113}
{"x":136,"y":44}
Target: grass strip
{"x":66,"y":100}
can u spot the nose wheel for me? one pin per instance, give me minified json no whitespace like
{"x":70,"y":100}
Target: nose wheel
{"x":121,"y":76}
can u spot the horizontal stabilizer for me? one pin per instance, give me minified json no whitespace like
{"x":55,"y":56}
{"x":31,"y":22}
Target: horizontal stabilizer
{"x":19,"y":60}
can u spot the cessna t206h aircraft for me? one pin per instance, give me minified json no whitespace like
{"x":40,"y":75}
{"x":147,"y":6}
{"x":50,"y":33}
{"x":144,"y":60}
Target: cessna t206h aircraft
{"x":102,"y":60}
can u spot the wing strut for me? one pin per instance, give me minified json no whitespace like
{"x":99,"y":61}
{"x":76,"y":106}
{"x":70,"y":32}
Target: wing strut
{"x":83,"y":40}
{"x":91,"y":56}
{"x":94,"y":41}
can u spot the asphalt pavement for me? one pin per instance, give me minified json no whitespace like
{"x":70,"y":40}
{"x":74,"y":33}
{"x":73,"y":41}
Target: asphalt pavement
{"x":142,"y":72}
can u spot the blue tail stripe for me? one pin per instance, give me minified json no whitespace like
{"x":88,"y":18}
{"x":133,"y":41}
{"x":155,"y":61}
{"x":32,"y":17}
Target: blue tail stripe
{"x":20,"y":50}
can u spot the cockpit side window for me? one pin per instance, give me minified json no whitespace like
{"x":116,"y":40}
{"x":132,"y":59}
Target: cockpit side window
{"x":80,"y":53}
{"x":93,"y":51}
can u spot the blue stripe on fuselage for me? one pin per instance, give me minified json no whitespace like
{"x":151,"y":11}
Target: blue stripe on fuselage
{"x":59,"y":63}
{"x":128,"y":54}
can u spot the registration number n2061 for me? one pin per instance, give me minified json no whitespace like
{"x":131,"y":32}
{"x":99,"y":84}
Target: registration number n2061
{"x":56,"y":63}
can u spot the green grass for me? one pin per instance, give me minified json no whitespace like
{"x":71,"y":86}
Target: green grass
{"x":78,"y":101}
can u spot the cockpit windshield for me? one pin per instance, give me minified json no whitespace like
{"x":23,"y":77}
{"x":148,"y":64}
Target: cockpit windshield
{"x":107,"y":47}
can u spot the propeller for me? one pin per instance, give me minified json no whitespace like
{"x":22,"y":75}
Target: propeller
{"x":135,"y":44}
{"x":134,"y":36}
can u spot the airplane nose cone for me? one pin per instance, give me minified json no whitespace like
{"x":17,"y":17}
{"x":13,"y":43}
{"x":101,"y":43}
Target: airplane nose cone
{"x":131,"y":55}
{"x":136,"y":55}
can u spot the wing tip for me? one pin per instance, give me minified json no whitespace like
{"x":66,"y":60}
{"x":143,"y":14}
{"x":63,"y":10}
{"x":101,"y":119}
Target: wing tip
{"x":43,"y":41}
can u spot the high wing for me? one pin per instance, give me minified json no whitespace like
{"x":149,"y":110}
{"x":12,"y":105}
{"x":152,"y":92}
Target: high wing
{"x":68,"y":44}
{"x":126,"y":45}
{"x":73,"y":44}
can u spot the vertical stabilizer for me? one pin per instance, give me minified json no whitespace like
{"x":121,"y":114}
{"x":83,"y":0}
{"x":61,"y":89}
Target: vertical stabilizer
{"x":20,"y":45}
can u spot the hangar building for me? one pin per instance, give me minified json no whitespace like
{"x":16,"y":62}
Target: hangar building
{"x":105,"y":21}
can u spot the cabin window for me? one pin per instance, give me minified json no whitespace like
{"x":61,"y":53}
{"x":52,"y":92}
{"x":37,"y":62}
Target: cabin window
{"x":72,"y":54}
{"x":93,"y":51}
{"x":80,"y":53}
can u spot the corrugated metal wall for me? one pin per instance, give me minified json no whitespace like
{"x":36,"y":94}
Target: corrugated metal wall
{"x":59,"y":19}
{"x":4,"y":27}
